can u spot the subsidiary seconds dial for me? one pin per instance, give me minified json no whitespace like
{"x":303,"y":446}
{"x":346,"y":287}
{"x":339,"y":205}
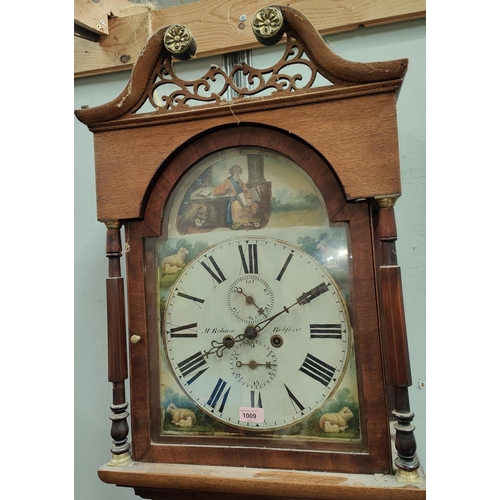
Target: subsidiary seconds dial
{"x":257,"y":323}
{"x":250,"y":299}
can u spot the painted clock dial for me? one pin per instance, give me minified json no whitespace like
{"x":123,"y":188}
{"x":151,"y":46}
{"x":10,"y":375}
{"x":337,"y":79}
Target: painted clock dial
{"x":257,"y":332}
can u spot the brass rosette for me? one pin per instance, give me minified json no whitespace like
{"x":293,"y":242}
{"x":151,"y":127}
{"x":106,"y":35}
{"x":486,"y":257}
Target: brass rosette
{"x":179,"y":42}
{"x":268,"y":25}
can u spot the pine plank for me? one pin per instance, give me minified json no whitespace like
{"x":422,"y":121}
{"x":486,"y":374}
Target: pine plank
{"x":93,"y":15}
{"x":217,"y":27}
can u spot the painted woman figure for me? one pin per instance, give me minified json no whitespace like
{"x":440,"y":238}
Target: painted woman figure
{"x":243,"y":204}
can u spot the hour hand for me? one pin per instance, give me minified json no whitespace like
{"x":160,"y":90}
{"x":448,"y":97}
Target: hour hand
{"x":227,"y":342}
{"x":306,"y":297}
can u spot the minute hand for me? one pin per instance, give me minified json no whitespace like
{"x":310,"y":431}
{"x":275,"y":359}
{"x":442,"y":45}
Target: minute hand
{"x":306,"y":297}
{"x":303,"y":299}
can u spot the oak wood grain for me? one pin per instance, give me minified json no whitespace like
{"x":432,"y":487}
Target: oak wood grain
{"x":205,"y":482}
{"x":350,"y":133}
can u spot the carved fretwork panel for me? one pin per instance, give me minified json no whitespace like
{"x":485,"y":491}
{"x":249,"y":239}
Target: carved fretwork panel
{"x":170,"y":92}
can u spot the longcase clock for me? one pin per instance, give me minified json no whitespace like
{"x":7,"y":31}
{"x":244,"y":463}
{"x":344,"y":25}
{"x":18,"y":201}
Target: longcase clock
{"x":265,"y":335}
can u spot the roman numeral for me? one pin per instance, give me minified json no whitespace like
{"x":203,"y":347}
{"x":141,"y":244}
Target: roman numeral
{"x":174,"y":332}
{"x":252,"y":266}
{"x":317,"y":369}
{"x":325,"y":331}
{"x":217,"y":275}
{"x":191,"y":364}
{"x":255,"y":403}
{"x":295,"y":402}
{"x":285,"y":265}
{"x":217,"y":395}
{"x":190,"y":297}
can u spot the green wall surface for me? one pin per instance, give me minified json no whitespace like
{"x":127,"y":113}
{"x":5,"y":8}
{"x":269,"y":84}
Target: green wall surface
{"x":92,"y":391}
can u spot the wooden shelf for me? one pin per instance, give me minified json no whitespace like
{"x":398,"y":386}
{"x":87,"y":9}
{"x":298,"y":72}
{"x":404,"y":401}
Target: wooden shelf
{"x":196,"y":481}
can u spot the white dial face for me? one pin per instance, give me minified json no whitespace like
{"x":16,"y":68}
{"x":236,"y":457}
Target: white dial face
{"x":257,"y":324}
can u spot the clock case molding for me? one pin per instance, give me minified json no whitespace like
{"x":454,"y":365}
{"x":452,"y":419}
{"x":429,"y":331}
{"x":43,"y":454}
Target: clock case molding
{"x":344,"y":134}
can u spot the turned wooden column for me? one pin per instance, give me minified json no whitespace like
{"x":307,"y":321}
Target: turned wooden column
{"x":117,"y":345}
{"x":396,"y":342}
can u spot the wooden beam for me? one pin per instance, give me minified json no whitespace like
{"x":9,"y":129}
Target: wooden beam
{"x":93,"y":15}
{"x":224,"y":26}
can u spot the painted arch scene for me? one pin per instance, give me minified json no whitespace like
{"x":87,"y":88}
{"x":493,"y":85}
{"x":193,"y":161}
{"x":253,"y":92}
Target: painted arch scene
{"x":240,"y":189}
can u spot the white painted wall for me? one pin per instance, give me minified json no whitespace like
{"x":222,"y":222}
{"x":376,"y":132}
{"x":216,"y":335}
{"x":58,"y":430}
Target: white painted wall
{"x":91,"y":388}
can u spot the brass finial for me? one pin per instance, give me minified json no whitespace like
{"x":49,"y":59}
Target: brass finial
{"x":120,"y":460}
{"x":268,"y":25}
{"x":179,"y":42}
{"x":387,"y":201}
{"x":413,"y":476}
{"x":112,"y":224}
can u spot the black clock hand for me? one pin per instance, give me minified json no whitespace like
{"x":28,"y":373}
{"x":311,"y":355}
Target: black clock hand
{"x":249,"y":299}
{"x":306,"y":297}
{"x":251,"y":331}
{"x":227,"y":342}
{"x":254,"y":364}
{"x":303,"y":299}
